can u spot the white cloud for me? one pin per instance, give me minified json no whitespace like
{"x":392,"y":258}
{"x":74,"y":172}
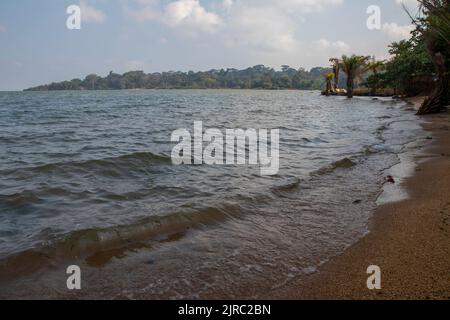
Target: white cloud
{"x":269,"y":24}
{"x":227,"y":3}
{"x":337,"y":46}
{"x":250,"y":17}
{"x":264,"y":29}
{"x":309,"y":5}
{"x":90,"y":14}
{"x":187,"y":15}
{"x":190,"y":14}
{"x":396,"y":32}
{"x":260,"y":28}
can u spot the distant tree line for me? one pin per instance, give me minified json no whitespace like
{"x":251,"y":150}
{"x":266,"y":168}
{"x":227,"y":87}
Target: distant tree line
{"x":257,"y":77}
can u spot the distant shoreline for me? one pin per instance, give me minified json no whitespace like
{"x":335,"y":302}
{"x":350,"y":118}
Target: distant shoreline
{"x":163,"y":89}
{"x":359,"y":92}
{"x":256,"y":77}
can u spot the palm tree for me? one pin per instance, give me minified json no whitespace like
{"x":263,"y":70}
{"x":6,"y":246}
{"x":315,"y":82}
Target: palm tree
{"x":328,"y":77}
{"x":375,"y":66}
{"x":354,"y":67}
{"x":335,"y":63}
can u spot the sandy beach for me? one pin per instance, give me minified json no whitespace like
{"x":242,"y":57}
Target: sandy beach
{"x":409,"y":240}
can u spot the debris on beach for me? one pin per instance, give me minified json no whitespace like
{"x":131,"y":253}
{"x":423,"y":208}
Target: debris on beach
{"x":390,"y":179}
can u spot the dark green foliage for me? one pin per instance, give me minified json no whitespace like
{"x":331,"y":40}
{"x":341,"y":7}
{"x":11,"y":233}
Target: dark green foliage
{"x":257,"y":77}
{"x":410,"y":59}
{"x":374,"y":81}
{"x":420,"y":65}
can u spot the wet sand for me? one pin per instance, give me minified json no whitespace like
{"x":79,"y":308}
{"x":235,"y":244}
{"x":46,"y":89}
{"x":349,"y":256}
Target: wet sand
{"x":409,"y":240}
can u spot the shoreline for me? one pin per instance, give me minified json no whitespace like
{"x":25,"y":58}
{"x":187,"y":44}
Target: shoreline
{"x":408,"y":239}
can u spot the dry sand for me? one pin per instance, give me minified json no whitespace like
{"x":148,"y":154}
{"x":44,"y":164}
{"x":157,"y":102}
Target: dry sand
{"x":408,"y":240}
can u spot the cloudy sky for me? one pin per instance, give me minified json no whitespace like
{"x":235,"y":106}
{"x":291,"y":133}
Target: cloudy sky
{"x":162,"y":35}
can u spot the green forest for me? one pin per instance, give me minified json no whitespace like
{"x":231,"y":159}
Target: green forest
{"x":257,"y":77}
{"x":418,"y":66}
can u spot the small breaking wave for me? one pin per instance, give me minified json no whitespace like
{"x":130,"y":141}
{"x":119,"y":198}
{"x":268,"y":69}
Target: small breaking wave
{"x":344,"y":163}
{"x":125,"y":162}
{"x":286,"y":188}
{"x":84,"y":243}
{"x":314,"y":140}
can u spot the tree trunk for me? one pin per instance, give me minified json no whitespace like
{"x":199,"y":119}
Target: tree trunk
{"x":350,"y":86}
{"x":329,"y":88}
{"x":373,"y":90}
{"x":336,"y":79}
{"x":438,"y":99}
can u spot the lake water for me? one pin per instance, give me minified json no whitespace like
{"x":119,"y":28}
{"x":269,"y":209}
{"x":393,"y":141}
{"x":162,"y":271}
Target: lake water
{"x":86,"y":178}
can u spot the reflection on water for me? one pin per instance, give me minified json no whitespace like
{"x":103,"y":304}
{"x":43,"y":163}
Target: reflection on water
{"x":86,"y":177}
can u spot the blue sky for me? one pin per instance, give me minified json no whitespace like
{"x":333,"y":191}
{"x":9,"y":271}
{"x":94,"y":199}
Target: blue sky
{"x":162,"y":35}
